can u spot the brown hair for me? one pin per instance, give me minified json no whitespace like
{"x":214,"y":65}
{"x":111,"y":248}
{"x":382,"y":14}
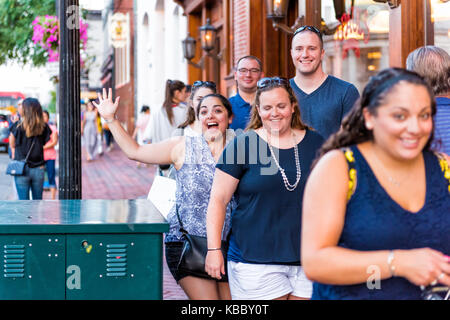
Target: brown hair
{"x":171,"y":87}
{"x":353,"y":129}
{"x":32,"y":121}
{"x":250,"y":57}
{"x":223,"y":100}
{"x":190,"y":117}
{"x":255,"y":120}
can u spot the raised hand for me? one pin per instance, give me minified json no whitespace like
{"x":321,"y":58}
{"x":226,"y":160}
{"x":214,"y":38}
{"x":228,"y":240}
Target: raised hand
{"x":106,"y":107}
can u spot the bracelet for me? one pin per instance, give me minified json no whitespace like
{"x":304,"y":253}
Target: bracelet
{"x":111,"y":121}
{"x":214,"y":249}
{"x":390,"y":259}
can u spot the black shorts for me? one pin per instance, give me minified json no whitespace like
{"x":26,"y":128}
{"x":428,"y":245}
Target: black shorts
{"x":173,"y":253}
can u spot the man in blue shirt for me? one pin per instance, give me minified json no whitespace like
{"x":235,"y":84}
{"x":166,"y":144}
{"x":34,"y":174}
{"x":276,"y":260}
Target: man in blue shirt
{"x":324,"y":100}
{"x":248,"y":72}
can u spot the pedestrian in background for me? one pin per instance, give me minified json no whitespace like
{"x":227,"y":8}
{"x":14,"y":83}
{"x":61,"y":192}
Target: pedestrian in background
{"x":187,"y":94}
{"x":165,"y":121}
{"x":141,"y":125}
{"x":99,"y":135}
{"x":89,"y":130}
{"x":200,"y":89}
{"x":324,"y":100}
{"x":433,"y":63}
{"x":376,"y":206}
{"x":264,"y":260}
{"x":248,"y":72}
{"x":50,"y":155}
{"x":28,"y":136}
{"x":194,"y":159}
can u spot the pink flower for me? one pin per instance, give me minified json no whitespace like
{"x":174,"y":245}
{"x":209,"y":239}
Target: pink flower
{"x":46,"y":35}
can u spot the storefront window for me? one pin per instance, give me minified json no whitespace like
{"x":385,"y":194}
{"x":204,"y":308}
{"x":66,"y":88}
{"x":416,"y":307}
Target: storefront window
{"x":440,"y":17}
{"x":357,"y":45}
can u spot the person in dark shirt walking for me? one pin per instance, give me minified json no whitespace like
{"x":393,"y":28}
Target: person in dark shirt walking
{"x":29,"y":135}
{"x":433,"y":63}
{"x":248,"y":72}
{"x":266,"y":170}
{"x":376,"y":205}
{"x":323,"y":99}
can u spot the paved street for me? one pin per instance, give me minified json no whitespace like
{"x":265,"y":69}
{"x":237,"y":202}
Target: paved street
{"x":111,"y":176}
{"x":7,"y":189}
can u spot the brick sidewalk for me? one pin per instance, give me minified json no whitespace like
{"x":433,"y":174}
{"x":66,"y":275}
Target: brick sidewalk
{"x":114,"y":176}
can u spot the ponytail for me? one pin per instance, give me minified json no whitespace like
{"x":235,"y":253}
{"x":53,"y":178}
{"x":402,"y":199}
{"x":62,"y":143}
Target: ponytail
{"x":171,"y":87}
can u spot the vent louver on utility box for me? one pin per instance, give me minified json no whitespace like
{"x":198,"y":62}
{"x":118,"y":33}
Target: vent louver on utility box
{"x":116,"y":260}
{"x":13,"y":261}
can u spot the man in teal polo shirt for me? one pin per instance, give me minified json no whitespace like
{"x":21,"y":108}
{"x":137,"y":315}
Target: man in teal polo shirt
{"x":248,"y":72}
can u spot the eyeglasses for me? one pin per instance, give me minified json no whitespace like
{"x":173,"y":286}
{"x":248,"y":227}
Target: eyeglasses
{"x":208,"y":84}
{"x":310,"y":28}
{"x":265,"y":82}
{"x":252,"y":70}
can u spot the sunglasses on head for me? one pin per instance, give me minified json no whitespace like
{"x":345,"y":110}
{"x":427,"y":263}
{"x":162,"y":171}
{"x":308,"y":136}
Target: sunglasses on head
{"x":309,"y":28}
{"x":265,"y":82}
{"x":199,"y":83}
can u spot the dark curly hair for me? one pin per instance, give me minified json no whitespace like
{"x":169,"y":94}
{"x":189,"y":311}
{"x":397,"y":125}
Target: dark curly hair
{"x":190,"y":115}
{"x":353,"y":129}
{"x":222,"y":99}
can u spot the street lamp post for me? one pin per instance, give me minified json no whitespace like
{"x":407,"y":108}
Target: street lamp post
{"x":69,"y":99}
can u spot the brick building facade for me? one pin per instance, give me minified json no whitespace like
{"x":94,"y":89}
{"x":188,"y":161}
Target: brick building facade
{"x":243,"y":28}
{"x":118,"y":68}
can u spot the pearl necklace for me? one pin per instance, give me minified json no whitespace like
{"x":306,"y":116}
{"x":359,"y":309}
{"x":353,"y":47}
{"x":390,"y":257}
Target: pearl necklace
{"x":289,"y":187}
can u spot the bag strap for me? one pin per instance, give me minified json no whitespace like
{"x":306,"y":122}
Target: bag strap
{"x":182,"y":229}
{"x":348,"y":153}
{"x":29,"y":151}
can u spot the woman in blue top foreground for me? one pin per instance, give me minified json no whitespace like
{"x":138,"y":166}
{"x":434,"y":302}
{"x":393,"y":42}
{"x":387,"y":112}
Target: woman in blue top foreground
{"x":376,"y":208}
{"x":266,"y":169}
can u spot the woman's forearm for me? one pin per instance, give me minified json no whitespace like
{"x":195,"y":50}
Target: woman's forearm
{"x":348,"y":266}
{"x":123,"y":139}
{"x":215,"y":219}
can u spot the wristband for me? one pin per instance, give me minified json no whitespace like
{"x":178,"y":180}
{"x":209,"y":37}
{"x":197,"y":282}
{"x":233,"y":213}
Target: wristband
{"x":214,"y":249}
{"x":390,"y":259}
{"x":111,"y":121}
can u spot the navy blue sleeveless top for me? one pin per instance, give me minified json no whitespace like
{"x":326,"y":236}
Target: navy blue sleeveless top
{"x":374,"y":221}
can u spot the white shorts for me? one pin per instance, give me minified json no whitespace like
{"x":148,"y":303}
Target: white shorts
{"x":267,"y":281}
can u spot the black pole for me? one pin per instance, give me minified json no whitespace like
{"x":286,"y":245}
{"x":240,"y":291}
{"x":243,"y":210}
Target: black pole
{"x":69,"y":100}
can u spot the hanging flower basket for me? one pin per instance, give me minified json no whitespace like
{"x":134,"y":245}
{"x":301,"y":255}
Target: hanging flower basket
{"x":46,"y":35}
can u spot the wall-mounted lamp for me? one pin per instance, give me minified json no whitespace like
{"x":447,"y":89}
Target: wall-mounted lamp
{"x":208,"y":41}
{"x":277,"y":11}
{"x":392,"y":3}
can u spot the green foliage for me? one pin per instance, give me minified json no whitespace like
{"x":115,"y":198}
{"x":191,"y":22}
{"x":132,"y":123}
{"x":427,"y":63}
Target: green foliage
{"x":51,"y":108}
{"x":16,"y":30}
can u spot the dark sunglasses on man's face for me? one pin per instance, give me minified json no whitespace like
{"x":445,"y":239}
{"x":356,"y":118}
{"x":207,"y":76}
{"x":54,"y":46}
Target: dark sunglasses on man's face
{"x":265,"y":82}
{"x":208,"y":84}
{"x":310,"y":28}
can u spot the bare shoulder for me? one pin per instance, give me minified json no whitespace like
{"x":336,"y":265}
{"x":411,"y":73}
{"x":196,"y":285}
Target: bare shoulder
{"x":330,"y":173}
{"x":332,"y":161}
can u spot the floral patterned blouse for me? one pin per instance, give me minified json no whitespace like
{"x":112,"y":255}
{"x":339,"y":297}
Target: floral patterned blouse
{"x":194,"y":181}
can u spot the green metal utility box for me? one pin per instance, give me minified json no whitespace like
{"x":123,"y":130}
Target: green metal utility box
{"x":81,"y":250}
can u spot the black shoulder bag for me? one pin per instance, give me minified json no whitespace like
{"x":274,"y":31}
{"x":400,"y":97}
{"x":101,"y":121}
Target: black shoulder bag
{"x":17,"y":167}
{"x":193,"y":255}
